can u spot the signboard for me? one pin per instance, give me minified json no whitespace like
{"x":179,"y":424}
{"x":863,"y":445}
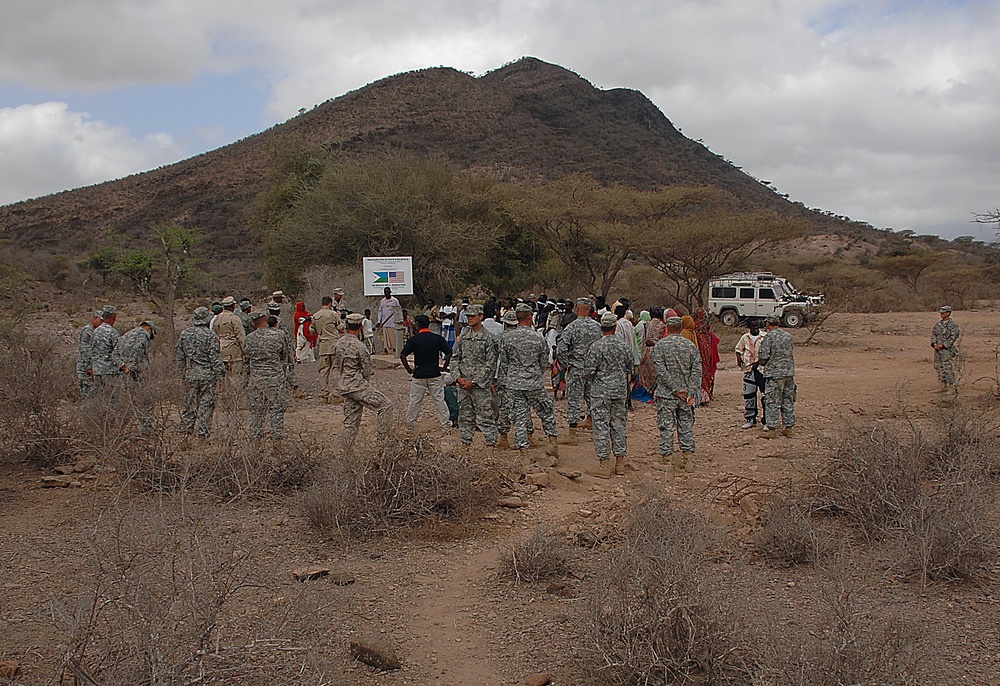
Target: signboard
{"x":394,"y":272}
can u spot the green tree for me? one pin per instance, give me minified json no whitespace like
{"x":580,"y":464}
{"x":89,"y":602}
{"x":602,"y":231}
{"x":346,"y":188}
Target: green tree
{"x":709,"y":240}
{"x":592,"y":228}
{"x":449,"y":222}
{"x":177,"y":245}
{"x":908,"y":267}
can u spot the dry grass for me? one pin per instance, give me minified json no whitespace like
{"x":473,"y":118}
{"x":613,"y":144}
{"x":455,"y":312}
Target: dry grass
{"x":786,"y":534}
{"x":402,"y":481}
{"x":543,"y":555}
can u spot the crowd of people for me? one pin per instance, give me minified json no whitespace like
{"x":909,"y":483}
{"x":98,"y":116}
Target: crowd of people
{"x":498,"y":359}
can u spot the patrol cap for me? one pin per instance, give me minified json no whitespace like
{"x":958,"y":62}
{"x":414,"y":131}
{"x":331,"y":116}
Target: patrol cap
{"x":201,"y":315}
{"x":583,"y":301}
{"x":473,"y":310}
{"x":944,"y":309}
{"x":259,"y":314}
{"x":228,"y":300}
{"x":509,"y":318}
{"x":216,"y":308}
{"x":152,"y":328}
{"x":773,"y":319}
{"x":338,"y":291}
{"x":355,"y":318}
{"x":608,"y":319}
{"x":245,"y":303}
{"x":108,"y":311}
{"x":672,"y":322}
{"x":99,"y":314}
{"x":522,"y":307}
{"x":465,"y":301}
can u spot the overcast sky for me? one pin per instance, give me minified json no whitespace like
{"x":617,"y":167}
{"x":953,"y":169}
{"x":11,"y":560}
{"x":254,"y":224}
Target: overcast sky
{"x":888,"y":112}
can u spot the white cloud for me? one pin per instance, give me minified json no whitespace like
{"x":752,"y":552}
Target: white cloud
{"x":46,"y":148}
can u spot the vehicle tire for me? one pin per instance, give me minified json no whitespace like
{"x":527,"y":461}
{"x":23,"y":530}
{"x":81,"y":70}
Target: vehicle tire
{"x":729,"y":317}
{"x":792,"y":319}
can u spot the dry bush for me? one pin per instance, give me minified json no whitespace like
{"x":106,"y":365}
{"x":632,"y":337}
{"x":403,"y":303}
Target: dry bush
{"x":873,"y":478}
{"x":163,"y":578}
{"x":320,"y":281}
{"x":543,"y":555}
{"x":35,"y":380}
{"x":786,"y":534}
{"x":397,"y":481}
{"x":948,"y":537}
{"x":657,"y":614}
{"x":857,"y":644}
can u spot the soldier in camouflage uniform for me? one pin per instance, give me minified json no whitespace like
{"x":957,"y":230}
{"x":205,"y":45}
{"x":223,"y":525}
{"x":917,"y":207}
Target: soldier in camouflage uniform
{"x":572,"y":348}
{"x":243,"y":312}
{"x":608,"y":366}
{"x":355,"y":366}
{"x":267,"y":376}
{"x":678,"y":378}
{"x":777,"y":361}
{"x":200,"y":364}
{"x":133,"y":348}
{"x":475,"y":362}
{"x":944,"y":339}
{"x":84,"y":369}
{"x":105,"y":358}
{"x":502,"y":405}
{"x":523,"y":356}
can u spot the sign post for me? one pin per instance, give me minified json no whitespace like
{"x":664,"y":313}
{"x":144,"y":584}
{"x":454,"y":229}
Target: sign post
{"x":394,"y":272}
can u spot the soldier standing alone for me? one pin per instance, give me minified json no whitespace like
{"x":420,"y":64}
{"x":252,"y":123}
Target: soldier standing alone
{"x":200,"y":363}
{"x":944,"y":338}
{"x":608,"y":366}
{"x":678,"y":378}
{"x":475,"y":358}
{"x":355,"y":365}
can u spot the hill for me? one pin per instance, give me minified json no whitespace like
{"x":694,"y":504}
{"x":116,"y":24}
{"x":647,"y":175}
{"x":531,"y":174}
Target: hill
{"x":528,"y":118}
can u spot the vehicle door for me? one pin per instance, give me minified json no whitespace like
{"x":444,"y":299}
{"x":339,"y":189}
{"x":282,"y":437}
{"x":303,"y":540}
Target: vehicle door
{"x":767,"y":301}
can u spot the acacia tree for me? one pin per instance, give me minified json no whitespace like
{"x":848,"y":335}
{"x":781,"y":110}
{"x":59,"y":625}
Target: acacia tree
{"x":448,"y":221}
{"x":177,"y":244}
{"x":908,"y":268}
{"x":707,"y":241}
{"x":592,"y":228}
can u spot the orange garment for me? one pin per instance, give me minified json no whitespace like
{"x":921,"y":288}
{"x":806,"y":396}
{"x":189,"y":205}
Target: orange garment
{"x":687,"y":322}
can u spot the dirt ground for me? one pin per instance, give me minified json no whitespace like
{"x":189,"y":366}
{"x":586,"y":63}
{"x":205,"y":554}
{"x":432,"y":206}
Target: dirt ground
{"x":440,"y":602}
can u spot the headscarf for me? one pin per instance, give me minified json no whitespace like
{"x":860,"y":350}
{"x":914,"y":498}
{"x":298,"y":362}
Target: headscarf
{"x":708,"y":348}
{"x":640,"y":330}
{"x":687,"y":330}
{"x":300,"y":314}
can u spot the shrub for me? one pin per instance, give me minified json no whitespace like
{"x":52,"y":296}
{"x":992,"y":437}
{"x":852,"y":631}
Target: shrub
{"x":543,"y":555}
{"x":786,"y":535}
{"x":656,"y":614}
{"x":400,"y":481}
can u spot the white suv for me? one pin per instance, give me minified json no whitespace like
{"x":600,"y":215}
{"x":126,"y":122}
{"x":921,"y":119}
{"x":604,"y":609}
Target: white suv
{"x":740,"y":296}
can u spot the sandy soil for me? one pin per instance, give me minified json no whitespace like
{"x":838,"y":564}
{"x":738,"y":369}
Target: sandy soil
{"x":440,"y":602}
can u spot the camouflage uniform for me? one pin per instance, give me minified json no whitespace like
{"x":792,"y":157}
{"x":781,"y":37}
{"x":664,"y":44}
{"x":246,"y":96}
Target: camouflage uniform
{"x":200,"y":363}
{"x":572,"y":348}
{"x":475,"y":358}
{"x":267,"y":378}
{"x":133,"y":348}
{"x":946,"y":333}
{"x":678,"y":368}
{"x":246,"y":320}
{"x":355,"y":366}
{"x":523,"y":356}
{"x":327,"y":326}
{"x":83,"y":379}
{"x":228,"y":327}
{"x":607,"y":366}
{"x":105,"y":358}
{"x":777,"y":364}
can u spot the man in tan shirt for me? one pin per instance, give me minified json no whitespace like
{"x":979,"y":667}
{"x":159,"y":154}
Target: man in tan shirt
{"x":229,"y":328}
{"x":328,"y":327}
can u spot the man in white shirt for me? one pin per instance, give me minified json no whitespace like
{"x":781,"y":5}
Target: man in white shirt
{"x":753,"y":381}
{"x":388,"y":321}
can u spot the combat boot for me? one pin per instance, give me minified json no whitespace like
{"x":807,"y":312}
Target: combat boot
{"x":788,"y":431}
{"x":324,"y":400}
{"x":768,"y":433}
{"x":688,"y":462}
{"x":503,"y":443}
{"x":619,"y":465}
{"x":604,"y":470}
{"x":587,"y":423}
{"x":677,"y":461}
{"x":552,"y":450}
{"x":571,"y":437}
